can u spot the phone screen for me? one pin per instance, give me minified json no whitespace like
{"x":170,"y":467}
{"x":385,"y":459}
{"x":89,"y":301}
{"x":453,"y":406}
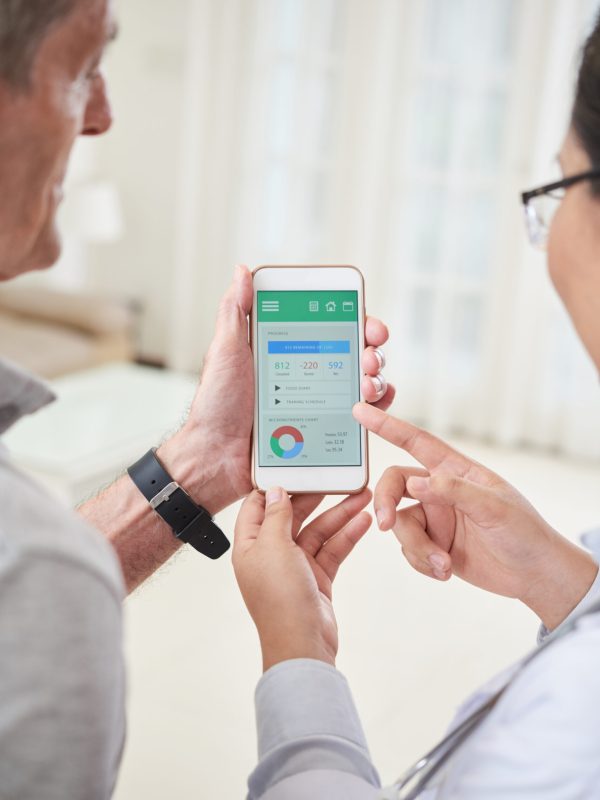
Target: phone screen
{"x":308,"y":378}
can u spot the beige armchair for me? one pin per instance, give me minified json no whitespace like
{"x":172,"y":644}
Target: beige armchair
{"x":52,"y":333}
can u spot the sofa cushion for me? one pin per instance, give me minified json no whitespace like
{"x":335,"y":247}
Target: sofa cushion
{"x":91,"y":313}
{"x":46,"y":350}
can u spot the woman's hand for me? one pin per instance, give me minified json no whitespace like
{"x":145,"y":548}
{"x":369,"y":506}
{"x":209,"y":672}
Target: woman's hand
{"x":471,"y":523}
{"x":285,"y":574}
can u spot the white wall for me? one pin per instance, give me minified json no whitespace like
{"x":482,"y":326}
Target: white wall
{"x":141,"y":156}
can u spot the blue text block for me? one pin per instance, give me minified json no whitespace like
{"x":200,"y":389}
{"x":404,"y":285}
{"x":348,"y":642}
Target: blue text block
{"x":290,"y":348}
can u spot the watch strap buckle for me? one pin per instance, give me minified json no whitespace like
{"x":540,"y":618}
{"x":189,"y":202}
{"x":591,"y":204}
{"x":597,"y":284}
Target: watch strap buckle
{"x":164,"y":495}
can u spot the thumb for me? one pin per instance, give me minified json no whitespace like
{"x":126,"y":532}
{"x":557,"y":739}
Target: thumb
{"x":235,"y":306}
{"x":278,"y":515}
{"x":243,"y":283}
{"x":443,"y":489}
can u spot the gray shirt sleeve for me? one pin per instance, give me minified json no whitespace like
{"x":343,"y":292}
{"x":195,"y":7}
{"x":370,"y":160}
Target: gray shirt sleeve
{"x":310,"y":740}
{"x":61,"y":681}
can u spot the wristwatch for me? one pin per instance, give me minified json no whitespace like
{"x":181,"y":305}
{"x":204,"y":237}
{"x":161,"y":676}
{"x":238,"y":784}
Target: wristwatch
{"x":190,"y":523}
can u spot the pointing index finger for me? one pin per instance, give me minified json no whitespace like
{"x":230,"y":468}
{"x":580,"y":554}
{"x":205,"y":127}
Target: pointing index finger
{"x":430,"y":451}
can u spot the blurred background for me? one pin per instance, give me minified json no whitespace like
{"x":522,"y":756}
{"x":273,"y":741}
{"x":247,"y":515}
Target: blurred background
{"x":395,"y":135}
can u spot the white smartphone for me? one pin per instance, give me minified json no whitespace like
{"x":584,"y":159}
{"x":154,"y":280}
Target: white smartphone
{"x":307,"y":333}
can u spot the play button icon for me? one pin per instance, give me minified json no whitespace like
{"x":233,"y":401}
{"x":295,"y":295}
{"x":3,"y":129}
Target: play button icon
{"x":277,"y":402}
{"x":277,"y":388}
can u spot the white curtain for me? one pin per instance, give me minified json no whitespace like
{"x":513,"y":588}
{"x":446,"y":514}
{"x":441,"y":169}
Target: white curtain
{"x":394,"y":135}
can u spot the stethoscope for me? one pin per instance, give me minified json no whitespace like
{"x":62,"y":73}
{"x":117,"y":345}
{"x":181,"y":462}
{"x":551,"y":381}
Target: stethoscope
{"x":422,"y":774}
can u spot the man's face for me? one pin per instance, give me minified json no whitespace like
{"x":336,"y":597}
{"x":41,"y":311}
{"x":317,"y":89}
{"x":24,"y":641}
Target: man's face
{"x":38,"y":127}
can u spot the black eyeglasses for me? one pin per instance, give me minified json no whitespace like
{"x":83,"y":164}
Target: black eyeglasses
{"x":541,"y":204}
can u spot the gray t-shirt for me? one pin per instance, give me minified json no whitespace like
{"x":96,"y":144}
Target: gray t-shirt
{"x":62,"y":719}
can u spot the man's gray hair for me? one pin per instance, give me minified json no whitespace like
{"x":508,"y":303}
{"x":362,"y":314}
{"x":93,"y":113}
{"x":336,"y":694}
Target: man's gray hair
{"x":23,"y":25}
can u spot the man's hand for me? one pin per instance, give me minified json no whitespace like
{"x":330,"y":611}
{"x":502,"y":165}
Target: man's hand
{"x":285,"y":574}
{"x":210,"y":456}
{"x":472,"y":523}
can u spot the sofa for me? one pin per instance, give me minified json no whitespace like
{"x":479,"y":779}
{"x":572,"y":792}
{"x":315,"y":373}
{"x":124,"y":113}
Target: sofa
{"x":52,"y":332}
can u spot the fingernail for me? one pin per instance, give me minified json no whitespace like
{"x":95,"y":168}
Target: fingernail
{"x":417,"y":484}
{"x":273,"y":495}
{"x":380,"y":356}
{"x":437,"y":562}
{"x":437,"y":573}
{"x":380,"y":518}
{"x":378,"y":383}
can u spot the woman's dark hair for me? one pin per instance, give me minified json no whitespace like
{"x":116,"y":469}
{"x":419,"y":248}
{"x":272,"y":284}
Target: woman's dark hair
{"x":586,"y":109}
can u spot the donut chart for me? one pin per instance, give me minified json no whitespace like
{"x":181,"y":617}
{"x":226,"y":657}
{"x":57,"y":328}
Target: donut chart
{"x":280,"y":448}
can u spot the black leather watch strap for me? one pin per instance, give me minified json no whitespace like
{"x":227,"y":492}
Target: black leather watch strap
{"x":190,"y":523}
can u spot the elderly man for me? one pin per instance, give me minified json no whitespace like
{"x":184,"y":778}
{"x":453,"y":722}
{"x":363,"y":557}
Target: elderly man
{"x":61,"y":582}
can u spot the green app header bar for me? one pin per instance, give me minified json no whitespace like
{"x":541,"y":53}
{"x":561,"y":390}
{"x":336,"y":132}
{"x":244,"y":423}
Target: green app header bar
{"x":294,"y":306}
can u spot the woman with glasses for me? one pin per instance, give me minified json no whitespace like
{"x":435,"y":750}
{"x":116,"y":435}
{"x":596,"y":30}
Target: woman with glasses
{"x":533,"y":732}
